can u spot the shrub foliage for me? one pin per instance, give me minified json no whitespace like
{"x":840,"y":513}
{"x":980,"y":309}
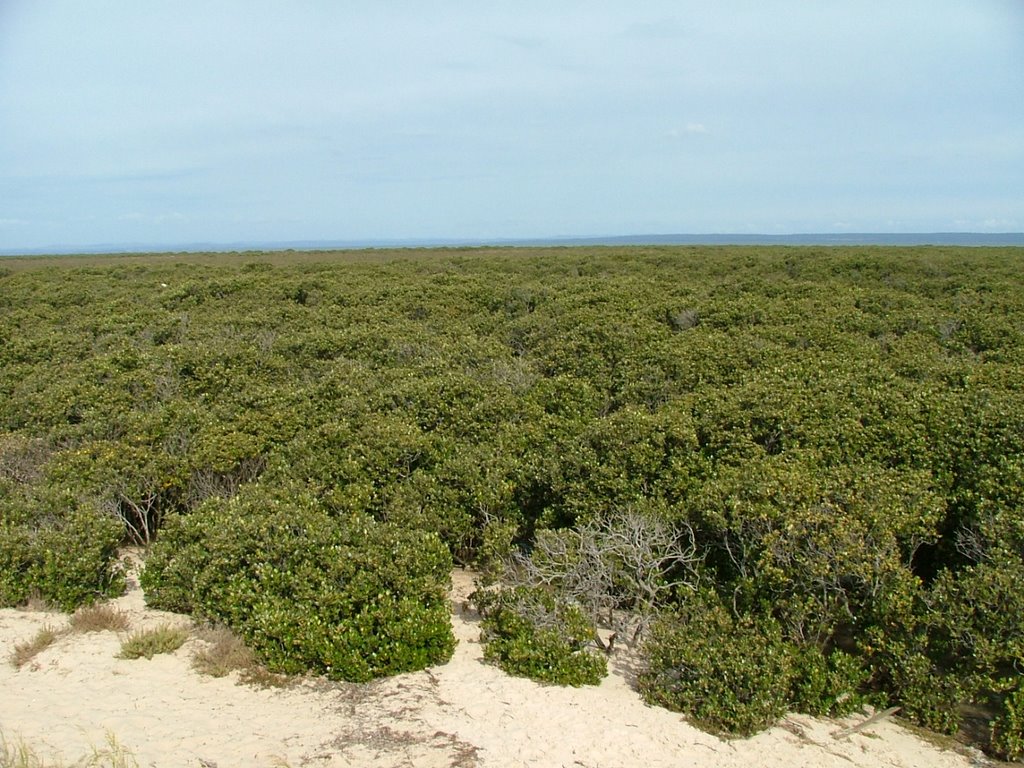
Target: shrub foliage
{"x":352,"y":598}
{"x":828,"y":440}
{"x":1008,"y":728}
{"x":529,"y":632}
{"x":66,"y":556}
{"x":729,"y":676}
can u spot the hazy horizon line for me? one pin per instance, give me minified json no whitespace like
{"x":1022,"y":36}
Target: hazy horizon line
{"x":971,"y":239}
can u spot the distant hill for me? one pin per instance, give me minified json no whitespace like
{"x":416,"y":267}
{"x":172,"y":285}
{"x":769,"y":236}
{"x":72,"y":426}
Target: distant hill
{"x":975,"y":239}
{"x":866,"y":238}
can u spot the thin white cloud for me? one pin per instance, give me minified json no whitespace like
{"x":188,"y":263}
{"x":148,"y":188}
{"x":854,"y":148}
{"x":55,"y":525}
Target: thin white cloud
{"x":690,"y":129}
{"x":1006,"y":225}
{"x":152,"y":218}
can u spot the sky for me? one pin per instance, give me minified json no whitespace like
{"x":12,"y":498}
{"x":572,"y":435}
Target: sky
{"x":168,"y":122}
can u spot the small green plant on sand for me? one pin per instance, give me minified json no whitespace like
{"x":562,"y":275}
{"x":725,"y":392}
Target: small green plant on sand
{"x":149,"y":642}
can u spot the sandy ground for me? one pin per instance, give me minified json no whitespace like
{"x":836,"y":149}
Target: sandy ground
{"x":76,"y":693}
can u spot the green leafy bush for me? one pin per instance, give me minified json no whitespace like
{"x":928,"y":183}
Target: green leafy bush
{"x":816,"y":546}
{"x":350,"y":598}
{"x":841,"y":431}
{"x":729,"y":676}
{"x":56,"y":549}
{"x":826,"y":684}
{"x":928,"y":694}
{"x":1008,"y":727}
{"x":529,"y":633}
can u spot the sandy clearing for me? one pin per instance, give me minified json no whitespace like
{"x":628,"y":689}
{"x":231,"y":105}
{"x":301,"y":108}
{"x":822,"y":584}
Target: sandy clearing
{"x":458,"y":715}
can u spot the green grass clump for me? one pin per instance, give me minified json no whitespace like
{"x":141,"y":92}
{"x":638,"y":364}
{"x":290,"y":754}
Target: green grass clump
{"x":18,"y":754}
{"x":149,"y":642}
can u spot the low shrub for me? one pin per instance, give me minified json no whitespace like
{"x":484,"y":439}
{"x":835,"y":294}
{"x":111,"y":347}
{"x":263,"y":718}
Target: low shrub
{"x":58,"y":550}
{"x":928,"y":694}
{"x":16,"y":557}
{"x":350,"y":598}
{"x":619,"y":566}
{"x":729,"y":676}
{"x":529,"y":633}
{"x":1008,"y":727}
{"x":826,"y":685}
{"x":147,"y":643}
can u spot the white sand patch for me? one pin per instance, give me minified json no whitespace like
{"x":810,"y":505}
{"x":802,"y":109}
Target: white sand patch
{"x":465,"y":713}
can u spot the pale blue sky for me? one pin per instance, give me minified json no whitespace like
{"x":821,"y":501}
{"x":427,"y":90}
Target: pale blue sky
{"x":177,"y":121}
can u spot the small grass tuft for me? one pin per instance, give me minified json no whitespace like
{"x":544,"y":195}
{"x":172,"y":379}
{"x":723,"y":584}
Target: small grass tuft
{"x":113,"y":755}
{"x":149,"y":642}
{"x":18,"y":754}
{"x":99,"y":618}
{"x":224,"y":653}
{"x":261,"y":677}
{"x":28,"y":650}
{"x":36,"y":604}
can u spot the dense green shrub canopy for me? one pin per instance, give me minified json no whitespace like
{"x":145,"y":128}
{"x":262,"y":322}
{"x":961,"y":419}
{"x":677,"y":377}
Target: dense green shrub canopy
{"x":731,"y":677}
{"x":58,"y":549}
{"x":739,"y":676}
{"x":350,"y":598}
{"x":529,"y":632}
{"x":841,"y":429}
